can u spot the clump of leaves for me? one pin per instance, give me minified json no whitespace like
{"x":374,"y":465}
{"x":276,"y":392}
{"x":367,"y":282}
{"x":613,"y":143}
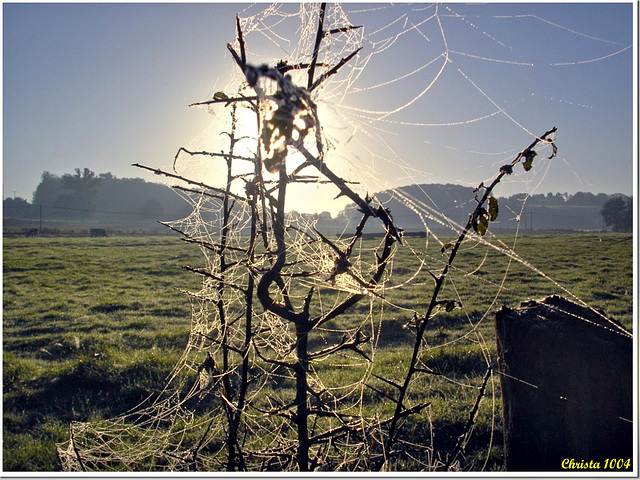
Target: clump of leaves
{"x":482,"y":215}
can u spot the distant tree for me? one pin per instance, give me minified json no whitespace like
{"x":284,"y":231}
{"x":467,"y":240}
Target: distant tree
{"x":66,"y":201}
{"x":82,"y":193}
{"x":15,"y":202}
{"x":553,"y":199}
{"x":82,"y":189}
{"x":17,"y":208}
{"x":582,"y":199}
{"x":152,"y":208}
{"x":48,"y":190}
{"x":537,"y":199}
{"x":617,"y":212}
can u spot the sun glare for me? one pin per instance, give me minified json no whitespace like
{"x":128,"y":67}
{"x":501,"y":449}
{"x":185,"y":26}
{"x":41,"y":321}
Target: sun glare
{"x":302,"y":197}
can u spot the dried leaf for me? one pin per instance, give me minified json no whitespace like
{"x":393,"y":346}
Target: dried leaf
{"x":450,"y":305}
{"x":508,"y":169}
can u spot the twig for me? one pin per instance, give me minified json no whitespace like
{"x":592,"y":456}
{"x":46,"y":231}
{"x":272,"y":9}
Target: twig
{"x":214,"y":247}
{"x":472,"y":415}
{"x":393,"y":384}
{"x":211,"y":154}
{"x":440,"y":280}
{"x":363,"y":206}
{"x":224,"y":100}
{"x":271,"y":360}
{"x":197,"y":448}
{"x":75,"y":448}
{"x":351,"y":344}
{"x":243,"y":54}
{"x":342,"y":30}
{"x":316,"y":48}
{"x":202,"y":271}
{"x":214,"y":194}
{"x":355,"y":298}
{"x":236,"y":57}
{"x":157,"y":171}
{"x":333,"y":70}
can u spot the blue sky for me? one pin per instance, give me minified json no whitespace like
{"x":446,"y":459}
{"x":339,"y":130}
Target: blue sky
{"x":107,"y":85}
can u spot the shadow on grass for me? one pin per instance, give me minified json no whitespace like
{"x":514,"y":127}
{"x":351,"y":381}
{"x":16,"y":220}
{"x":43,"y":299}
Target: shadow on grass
{"x":89,"y":387}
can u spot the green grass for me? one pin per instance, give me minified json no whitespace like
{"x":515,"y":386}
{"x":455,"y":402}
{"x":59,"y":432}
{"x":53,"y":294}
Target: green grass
{"x":93,"y":326}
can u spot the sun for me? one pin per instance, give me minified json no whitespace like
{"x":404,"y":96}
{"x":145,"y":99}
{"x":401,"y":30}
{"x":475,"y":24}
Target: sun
{"x":276,"y":126}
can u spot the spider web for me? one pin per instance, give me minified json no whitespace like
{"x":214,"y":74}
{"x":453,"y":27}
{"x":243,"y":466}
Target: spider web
{"x":237,"y":371}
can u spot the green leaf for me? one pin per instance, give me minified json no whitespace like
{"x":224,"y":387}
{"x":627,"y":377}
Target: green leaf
{"x":448,"y":305}
{"x":446,"y":246}
{"x":221,"y":95}
{"x":493,"y":208}
{"x":474,"y":224}
{"x":482,"y":225}
{"x":528,"y":162}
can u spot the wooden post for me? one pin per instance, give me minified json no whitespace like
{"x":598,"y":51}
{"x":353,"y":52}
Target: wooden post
{"x":567,"y":376}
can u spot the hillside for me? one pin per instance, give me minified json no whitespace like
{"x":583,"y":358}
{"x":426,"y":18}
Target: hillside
{"x":580,"y":211}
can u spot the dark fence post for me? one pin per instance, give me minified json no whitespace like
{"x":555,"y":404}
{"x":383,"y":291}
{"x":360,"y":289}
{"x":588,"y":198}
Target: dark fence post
{"x":566,"y":375}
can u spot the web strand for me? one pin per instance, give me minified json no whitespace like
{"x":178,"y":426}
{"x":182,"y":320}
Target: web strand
{"x":365,"y":288}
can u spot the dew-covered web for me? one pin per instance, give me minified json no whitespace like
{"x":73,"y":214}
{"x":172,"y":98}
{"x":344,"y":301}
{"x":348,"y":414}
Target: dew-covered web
{"x":302,"y":121}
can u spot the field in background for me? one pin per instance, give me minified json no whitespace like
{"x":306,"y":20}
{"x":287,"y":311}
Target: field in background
{"x":93,"y":326}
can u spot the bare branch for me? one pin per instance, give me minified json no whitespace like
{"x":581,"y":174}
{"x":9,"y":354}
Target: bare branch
{"x":316,"y":48}
{"x":243,"y":54}
{"x":440,"y":280}
{"x":342,"y":30}
{"x":157,"y":171}
{"x":393,"y":384}
{"x":271,"y":360}
{"x":226,"y":101}
{"x":236,"y":57}
{"x":202,"y":271}
{"x":380,"y":392}
{"x":333,"y":70}
{"x":345,"y":344}
{"x":212,"y":154}
{"x":362,"y":205}
{"x":214,"y":194}
{"x":472,"y":415}
{"x":215,"y":247}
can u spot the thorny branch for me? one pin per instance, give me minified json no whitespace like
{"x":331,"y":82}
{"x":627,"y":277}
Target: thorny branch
{"x":226,"y":100}
{"x":211,"y":154}
{"x":264,"y":205}
{"x":316,"y":48}
{"x":464,"y":436}
{"x":292,"y":100}
{"x":158,"y":171}
{"x":440,"y":280}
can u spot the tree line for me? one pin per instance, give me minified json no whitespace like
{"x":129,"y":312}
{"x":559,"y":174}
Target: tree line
{"x":551,"y":211}
{"x":84,"y":196}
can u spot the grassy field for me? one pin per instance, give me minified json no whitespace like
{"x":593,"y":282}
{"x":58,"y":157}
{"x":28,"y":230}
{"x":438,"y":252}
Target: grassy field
{"x":93,"y":326}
